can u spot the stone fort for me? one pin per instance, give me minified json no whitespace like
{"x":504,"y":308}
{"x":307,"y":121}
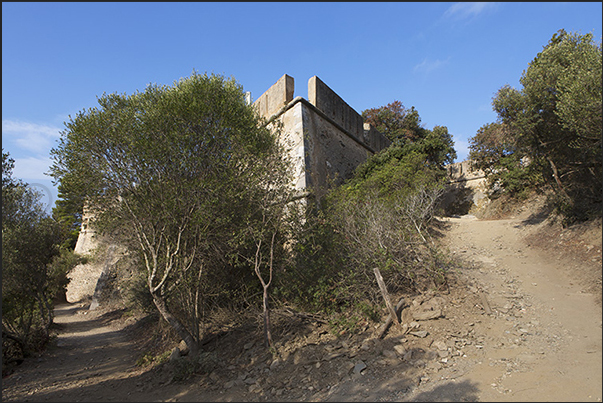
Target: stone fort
{"x":327,"y":139}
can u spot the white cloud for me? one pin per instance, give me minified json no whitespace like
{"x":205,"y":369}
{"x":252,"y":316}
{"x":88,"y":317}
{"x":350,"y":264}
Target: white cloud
{"x":427,"y":66}
{"x":32,"y":168}
{"x":30,"y":136}
{"x":468,"y":10}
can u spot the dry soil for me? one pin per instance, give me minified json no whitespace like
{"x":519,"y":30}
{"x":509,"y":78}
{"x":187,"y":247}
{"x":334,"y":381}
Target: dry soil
{"x":521,"y":321}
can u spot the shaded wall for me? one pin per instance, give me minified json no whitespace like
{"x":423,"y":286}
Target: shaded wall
{"x":327,"y":139}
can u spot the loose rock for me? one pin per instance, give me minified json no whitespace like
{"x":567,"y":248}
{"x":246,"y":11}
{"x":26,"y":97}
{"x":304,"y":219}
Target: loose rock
{"x":359,"y":367}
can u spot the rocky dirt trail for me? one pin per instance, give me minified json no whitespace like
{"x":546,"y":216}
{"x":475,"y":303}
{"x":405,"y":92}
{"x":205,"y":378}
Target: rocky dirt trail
{"x":521,"y":324}
{"x":87,"y":362}
{"x":541,"y":339}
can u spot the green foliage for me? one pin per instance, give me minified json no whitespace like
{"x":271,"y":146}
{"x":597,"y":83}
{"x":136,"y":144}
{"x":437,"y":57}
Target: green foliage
{"x":34,"y":267}
{"x":137,"y":294}
{"x":68,"y":211}
{"x":492,"y":142}
{"x":187,"y":178}
{"x":494,"y":151}
{"x":395,"y":169}
{"x":340,"y":324}
{"x":369,"y":310}
{"x":553,"y":124}
{"x":145,"y":360}
{"x":379,"y":218}
{"x":403,"y":127}
{"x":311,"y":278}
{"x":396,"y":122}
{"x":148,"y":359}
{"x":60,"y":266}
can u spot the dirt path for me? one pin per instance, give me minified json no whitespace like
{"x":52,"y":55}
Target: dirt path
{"x":542,"y":339}
{"x":522,"y":329}
{"x":83,"y":364}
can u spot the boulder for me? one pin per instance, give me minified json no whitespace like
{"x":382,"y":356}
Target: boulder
{"x":430,"y":309}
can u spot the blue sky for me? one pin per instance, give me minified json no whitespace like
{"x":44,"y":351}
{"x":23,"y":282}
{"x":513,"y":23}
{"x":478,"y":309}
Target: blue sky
{"x":445,"y":59}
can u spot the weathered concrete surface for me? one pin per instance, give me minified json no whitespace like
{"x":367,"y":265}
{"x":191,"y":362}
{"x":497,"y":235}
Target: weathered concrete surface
{"x":332,"y":105}
{"x":326,"y":138}
{"x":87,"y":280}
{"x":276,"y":97}
{"x":467,"y":190}
{"x":83,"y":278}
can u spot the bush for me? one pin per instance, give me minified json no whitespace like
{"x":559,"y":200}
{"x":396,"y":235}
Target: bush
{"x":34,"y":267}
{"x":380,"y":218}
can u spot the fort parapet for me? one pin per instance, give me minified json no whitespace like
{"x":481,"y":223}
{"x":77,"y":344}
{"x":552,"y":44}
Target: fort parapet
{"x":467,"y":190}
{"x":327,"y":138}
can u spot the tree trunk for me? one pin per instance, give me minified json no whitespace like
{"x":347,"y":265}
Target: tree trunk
{"x":191,"y":343}
{"x":267,"y":332}
{"x":556,"y":177}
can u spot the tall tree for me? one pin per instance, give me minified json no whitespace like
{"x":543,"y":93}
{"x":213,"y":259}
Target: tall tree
{"x":395,"y":122}
{"x":556,"y":117}
{"x":176,"y":174}
{"x":493,"y":150}
{"x":403,"y":127}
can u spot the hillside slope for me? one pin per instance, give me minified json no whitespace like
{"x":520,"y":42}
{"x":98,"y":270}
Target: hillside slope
{"x":520,"y":321}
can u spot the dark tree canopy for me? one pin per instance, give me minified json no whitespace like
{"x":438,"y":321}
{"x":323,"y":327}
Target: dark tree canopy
{"x":33,"y":265}
{"x":396,"y":122}
{"x":555,"y":121}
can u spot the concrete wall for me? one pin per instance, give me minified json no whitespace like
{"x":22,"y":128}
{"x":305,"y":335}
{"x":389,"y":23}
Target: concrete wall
{"x":331,"y":154}
{"x":87,"y":280}
{"x":463,"y":171}
{"x":276,"y":97}
{"x":327,"y":138}
{"x":467,"y":190}
{"x":293,"y":138}
{"x":331,"y":104}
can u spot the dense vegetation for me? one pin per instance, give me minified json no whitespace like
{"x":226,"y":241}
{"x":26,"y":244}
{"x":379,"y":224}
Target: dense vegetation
{"x":380,"y":219}
{"x":197,"y":187}
{"x":34,"y":267}
{"x":189,"y":181}
{"x":548,"y":133}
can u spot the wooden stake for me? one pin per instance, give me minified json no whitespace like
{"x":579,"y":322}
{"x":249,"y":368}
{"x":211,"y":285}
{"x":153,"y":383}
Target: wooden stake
{"x":388,"y":301}
{"x":389,"y":319}
{"x":485,"y":303}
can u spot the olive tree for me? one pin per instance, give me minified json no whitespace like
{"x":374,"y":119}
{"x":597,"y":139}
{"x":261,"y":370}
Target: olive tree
{"x":175,"y":173}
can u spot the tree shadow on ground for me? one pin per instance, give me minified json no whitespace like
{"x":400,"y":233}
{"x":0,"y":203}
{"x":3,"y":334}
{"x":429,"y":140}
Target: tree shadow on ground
{"x":537,"y":217}
{"x":465,"y":391}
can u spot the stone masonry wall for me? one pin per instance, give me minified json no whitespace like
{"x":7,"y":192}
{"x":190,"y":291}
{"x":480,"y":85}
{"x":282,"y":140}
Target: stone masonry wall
{"x":85,"y":280}
{"x":467,"y":190}
{"x":327,"y":138}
